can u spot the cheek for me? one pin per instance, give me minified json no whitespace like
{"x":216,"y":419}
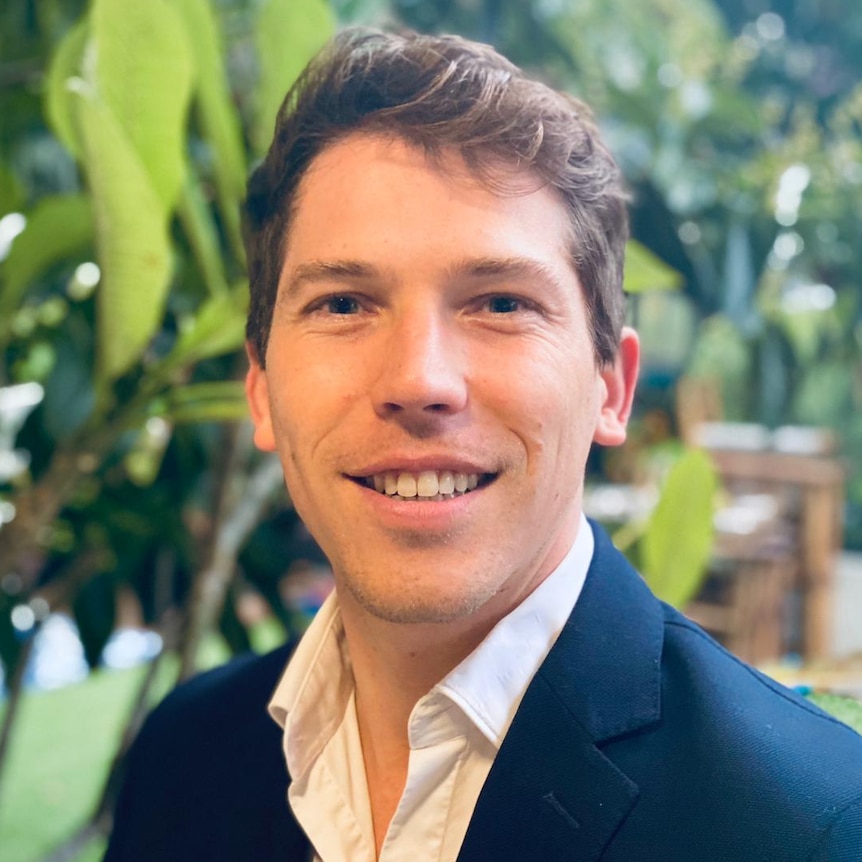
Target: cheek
{"x":552,"y":405}
{"x":312,"y":414}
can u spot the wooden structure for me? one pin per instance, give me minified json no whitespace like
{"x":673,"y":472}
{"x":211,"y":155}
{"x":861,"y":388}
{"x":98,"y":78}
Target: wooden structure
{"x":771,"y":584}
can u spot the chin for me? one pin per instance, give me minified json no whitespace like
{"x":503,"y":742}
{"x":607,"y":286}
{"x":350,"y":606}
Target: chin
{"x":417,"y":605}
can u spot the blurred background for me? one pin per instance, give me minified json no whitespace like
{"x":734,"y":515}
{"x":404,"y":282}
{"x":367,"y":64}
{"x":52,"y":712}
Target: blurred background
{"x":142,"y":538}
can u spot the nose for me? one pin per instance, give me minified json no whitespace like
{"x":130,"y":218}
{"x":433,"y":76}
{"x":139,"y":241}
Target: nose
{"x":422,"y":376}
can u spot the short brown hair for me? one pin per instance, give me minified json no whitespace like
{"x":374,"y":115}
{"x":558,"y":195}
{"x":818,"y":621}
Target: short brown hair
{"x":442,"y":93}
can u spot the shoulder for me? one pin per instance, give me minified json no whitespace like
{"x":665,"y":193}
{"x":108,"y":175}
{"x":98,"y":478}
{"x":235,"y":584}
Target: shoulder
{"x":749,"y":768}
{"x":780,"y":764}
{"x":214,"y":725}
{"x":229,"y":696}
{"x":206,"y":777}
{"x":700,"y":677}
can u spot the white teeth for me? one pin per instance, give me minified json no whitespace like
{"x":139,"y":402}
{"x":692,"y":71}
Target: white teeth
{"x":406,"y":485}
{"x":429,"y":484}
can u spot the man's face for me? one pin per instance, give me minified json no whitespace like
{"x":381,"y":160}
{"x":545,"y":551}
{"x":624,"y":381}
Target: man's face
{"x":429,"y":335}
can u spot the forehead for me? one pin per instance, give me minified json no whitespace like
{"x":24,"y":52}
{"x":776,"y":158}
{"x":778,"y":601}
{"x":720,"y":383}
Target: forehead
{"x":376,"y":192}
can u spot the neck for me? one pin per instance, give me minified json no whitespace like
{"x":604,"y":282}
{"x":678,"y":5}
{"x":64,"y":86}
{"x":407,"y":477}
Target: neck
{"x":394,"y":665}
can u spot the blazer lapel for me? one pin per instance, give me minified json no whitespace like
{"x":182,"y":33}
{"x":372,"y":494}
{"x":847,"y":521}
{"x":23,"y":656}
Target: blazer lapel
{"x":552,"y":794}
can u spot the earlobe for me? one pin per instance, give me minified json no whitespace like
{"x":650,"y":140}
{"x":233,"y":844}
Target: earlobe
{"x":257,"y":395}
{"x":620,"y":379}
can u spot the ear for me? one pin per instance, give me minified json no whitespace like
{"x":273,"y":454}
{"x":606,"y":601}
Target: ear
{"x":620,"y":379}
{"x":257,"y":395}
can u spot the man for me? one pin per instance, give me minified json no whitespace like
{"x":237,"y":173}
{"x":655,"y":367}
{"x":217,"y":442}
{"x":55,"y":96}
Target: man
{"x":435,"y":342}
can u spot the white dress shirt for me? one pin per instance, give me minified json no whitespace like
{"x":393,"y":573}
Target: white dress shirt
{"x":454,"y":731}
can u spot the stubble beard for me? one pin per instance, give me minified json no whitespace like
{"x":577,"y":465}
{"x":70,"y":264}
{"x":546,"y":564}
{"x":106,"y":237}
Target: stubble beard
{"x":399,"y":597}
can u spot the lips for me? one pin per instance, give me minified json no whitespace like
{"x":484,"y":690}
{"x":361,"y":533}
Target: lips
{"x":428,"y":485}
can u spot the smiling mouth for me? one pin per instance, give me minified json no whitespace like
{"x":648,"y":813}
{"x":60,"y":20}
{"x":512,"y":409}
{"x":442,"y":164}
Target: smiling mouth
{"x":426,"y":486}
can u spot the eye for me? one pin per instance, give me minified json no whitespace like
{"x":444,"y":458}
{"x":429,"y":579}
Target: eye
{"x":504,"y":304}
{"x":341,"y":305}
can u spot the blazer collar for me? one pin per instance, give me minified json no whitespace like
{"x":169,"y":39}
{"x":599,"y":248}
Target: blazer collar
{"x":606,"y":665}
{"x":552,"y":793}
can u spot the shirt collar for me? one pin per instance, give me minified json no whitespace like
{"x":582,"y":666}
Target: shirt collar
{"x":313,"y":693}
{"x":490,"y":683}
{"x":310,"y":699}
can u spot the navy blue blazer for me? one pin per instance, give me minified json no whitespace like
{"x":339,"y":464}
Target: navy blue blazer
{"x":639,"y":740}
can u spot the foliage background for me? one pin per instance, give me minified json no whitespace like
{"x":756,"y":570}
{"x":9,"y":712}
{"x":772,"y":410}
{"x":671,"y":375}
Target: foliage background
{"x":737,"y":124}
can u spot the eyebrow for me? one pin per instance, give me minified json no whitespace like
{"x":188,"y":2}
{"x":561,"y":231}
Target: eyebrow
{"x":514,"y":268}
{"x":328,"y":270}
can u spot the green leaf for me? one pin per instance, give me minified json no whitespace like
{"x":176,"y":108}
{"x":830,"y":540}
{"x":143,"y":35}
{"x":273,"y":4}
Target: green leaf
{"x":11,"y":193}
{"x":95,"y":610}
{"x":677,"y":542}
{"x":218,"y":117}
{"x":289,"y":33}
{"x":234,"y":410}
{"x":66,"y":63}
{"x":645,"y":271}
{"x":207,"y":402}
{"x":197,"y":221}
{"x":57,"y":228}
{"x":143,"y":73}
{"x":131,"y":236}
{"x":845,"y":709}
{"x":220,"y":390}
{"x":69,"y":392}
{"x":216,"y":329}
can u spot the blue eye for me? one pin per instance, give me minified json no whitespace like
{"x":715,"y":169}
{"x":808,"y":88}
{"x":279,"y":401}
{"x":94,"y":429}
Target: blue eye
{"x":342,"y":305}
{"x":504,"y":304}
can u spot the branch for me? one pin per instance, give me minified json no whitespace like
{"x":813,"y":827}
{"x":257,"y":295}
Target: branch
{"x":13,"y":701}
{"x":240,"y":510}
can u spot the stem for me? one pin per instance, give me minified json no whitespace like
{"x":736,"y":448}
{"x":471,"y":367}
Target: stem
{"x":197,"y":223}
{"x":22,"y":542}
{"x":13,"y":702}
{"x":239,"y":510}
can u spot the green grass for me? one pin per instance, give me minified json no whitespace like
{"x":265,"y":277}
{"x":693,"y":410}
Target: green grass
{"x":63,"y":743}
{"x":60,"y":751}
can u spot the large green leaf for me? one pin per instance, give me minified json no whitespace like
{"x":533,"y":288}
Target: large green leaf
{"x":218,"y":118}
{"x":677,"y":542}
{"x":289,"y":34}
{"x":645,"y":271}
{"x":66,"y":63}
{"x":131,"y":235}
{"x":197,"y":221}
{"x":57,"y":228}
{"x":143,"y":73}
{"x":216,"y":329}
